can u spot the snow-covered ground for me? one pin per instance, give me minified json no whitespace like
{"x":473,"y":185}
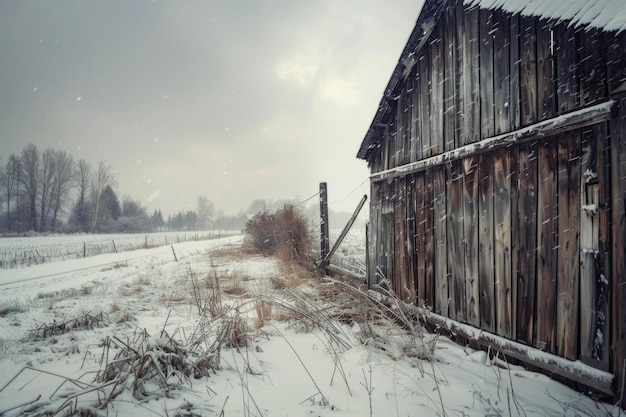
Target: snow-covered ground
{"x":70,"y":331}
{"x":21,"y":251}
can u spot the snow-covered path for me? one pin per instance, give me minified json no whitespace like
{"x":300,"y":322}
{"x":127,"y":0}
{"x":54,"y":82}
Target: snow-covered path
{"x":29,"y":281}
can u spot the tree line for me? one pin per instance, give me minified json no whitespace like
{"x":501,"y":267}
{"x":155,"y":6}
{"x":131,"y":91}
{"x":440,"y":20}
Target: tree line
{"x":48,"y":191}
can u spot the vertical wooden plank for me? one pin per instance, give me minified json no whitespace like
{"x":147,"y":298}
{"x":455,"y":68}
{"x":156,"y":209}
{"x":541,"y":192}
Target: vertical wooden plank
{"x":383,"y":149}
{"x":399,"y":276}
{"x":449,"y":80}
{"x":618,"y":221}
{"x":472,"y":74}
{"x":502,"y":237}
{"x":592,"y":288}
{"x":374,"y":234}
{"x":593,"y":83}
{"x":441,"y":250}
{"x":502,"y":183}
{"x":420,"y":238}
{"x":588,"y":244}
{"x":470,"y":232}
{"x":568,"y":271}
{"x":410,"y":245}
{"x":616,"y":62}
{"x":429,"y":240}
{"x":524,"y":255}
{"x":462,"y":117}
{"x":390,"y":138}
{"x":566,"y":65}
{"x":401,"y":132}
{"x":546,"y":89}
{"x":486,"y":264}
{"x":486,"y":54}
{"x":514,"y":69}
{"x":406,"y":122}
{"x":603,"y":276}
{"x":456,"y":258}
{"x":436,"y":87}
{"x":375,"y":161}
{"x":396,"y":148}
{"x":501,"y":71}
{"x":424,"y":99}
{"x":514,"y":123}
{"x":528,"y":70}
{"x":467,"y":74}
{"x":513,"y":234}
{"x":388,"y":272}
{"x":486,"y":261}
{"x":388,"y":249}
{"x":416,"y":143}
{"x":547,"y":229}
{"x":616,"y":75}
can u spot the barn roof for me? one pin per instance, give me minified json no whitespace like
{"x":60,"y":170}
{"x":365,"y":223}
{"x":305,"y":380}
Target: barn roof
{"x":609,"y":15}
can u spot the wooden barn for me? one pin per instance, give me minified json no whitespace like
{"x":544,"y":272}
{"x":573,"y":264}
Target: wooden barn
{"x":498,"y":180}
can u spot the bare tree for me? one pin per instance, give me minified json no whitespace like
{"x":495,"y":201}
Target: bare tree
{"x":45,"y":189}
{"x":80,"y":215}
{"x":29,"y":179}
{"x":205,"y":211}
{"x":64,"y":180}
{"x":11,"y":184}
{"x":102,"y":178}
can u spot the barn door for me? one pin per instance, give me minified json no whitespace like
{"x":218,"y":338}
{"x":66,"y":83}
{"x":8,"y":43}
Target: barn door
{"x":594,"y":252}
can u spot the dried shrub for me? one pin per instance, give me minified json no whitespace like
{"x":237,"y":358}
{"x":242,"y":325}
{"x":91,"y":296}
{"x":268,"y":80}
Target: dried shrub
{"x":152,"y":366}
{"x":286,"y":231}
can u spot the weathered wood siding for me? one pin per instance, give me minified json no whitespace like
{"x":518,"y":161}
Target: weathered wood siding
{"x":527,"y":241}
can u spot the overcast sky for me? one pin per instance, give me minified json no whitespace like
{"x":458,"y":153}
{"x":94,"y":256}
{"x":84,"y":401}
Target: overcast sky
{"x":235,"y":100}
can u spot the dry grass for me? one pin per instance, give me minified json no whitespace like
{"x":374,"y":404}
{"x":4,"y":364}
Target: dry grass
{"x":142,"y":280}
{"x":234,"y":252}
{"x":263,"y":310}
{"x":14,"y":305}
{"x":235,"y":287}
{"x":126,"y":317}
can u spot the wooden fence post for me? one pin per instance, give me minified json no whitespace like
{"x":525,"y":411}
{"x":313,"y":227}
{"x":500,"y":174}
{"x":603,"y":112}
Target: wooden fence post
{"x":324,"y":233}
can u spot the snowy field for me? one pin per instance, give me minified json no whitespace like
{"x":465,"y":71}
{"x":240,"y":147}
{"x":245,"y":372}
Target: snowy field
{"x":210,"y":329}
{"x":26,"y":251}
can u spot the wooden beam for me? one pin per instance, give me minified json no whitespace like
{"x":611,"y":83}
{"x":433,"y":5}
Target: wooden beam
{"x":547,"y":128}
{"x":573,"y":370}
